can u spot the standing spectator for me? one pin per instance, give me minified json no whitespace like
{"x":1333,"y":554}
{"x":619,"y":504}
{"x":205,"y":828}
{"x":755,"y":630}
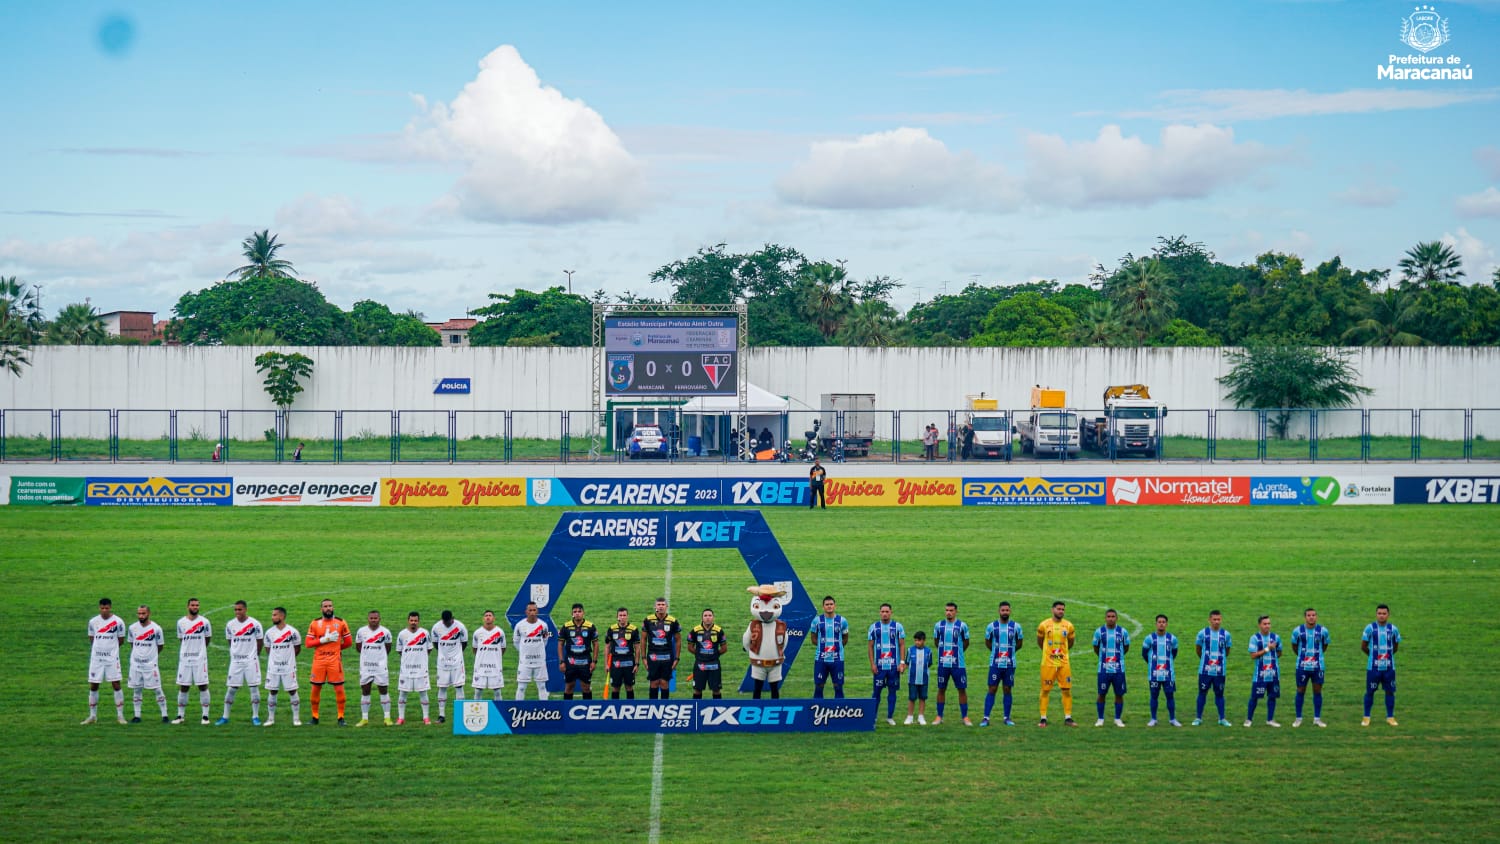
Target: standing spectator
{"x":297,"y":455}
{"x":966,"y":441}
{"x":815,"y":478}
{"x":929,"y":442}
{"x":218,"y":452}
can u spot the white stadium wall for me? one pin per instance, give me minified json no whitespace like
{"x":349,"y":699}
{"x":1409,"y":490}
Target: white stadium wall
{"x":143,"y":379}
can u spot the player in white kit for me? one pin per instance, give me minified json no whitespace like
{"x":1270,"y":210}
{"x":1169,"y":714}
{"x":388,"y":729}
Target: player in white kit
{"x":283,"y":644}
{"x":374,"y":643}
{"x":146,"y":643}
{"x":489,"y":656}
{"x":106,"y":631}
{"x":451,"y":637}
{"x":193,"y":632}
{"x":246,"y":640}
{"x":531,"y":651}
{"x":413,"y":643}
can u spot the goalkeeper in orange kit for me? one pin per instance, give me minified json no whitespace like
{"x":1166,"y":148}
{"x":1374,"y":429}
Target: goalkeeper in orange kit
{"x":328,"y":636}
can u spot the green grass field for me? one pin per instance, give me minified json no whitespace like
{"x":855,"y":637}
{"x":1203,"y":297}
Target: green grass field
{"x":1434,"y":777}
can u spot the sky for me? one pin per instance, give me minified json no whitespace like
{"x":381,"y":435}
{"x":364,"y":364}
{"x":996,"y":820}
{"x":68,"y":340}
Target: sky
{"x":428,"y":155}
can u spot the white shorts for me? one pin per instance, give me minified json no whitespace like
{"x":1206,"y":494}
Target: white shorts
{"x":532,"y":673}
{"x":243,"y":672}
{"x":451,"y":676}
{"x":104,"y":671}
{"x":770,"y":674}
{"x":375,"y":675}
{"x":144,"y":677}
{"x":192,"y":673}
{"x":412,"y":682}
{"x":281,"y":682}
{"x":489,"y":678}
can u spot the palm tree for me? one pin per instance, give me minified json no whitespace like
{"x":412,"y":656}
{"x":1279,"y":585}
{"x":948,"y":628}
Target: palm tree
{"x":260,"y":251}
{"x":20,"y":323}
{"x":1141,"y":294}
{"x":252,"y":337}
{"x":77,"y":324}
{"x":1099,"y":325}
{"x":1391,"y":311}
{"x":1429,"y":263}
{"x":830,"y":298}
{"x":870,"y":323}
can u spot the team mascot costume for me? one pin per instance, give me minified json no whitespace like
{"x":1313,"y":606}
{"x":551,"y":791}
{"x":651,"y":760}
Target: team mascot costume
{"x":765,"y":638}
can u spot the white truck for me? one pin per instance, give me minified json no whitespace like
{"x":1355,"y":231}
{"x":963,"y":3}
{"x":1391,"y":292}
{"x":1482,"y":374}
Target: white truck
{"x":1051,"y":427}
{"x":849,"y":417}
{"x":1131,"y":424}
{"x":985,"y":427}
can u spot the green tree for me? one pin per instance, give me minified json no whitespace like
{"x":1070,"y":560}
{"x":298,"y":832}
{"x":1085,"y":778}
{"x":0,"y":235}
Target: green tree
{"x":873,"y":322}
{"x":1180,"y":332}
{"x":769,"y":280}
{"x":1449,"y":314}
{"x":294,"y":310}
{"x":1282,"y":300}
{"x":1141,"y":295}
{"x":1433,"y":262}
{"x":1390,"y":313}
{"x":1026,"y":319}
{"x":284,"y":374}
{"x":260,"y":251}
{"x":77,"y":325}
{"x":374,"y":324}
{"x":20,"y":323}
{"x":566,"y":317}
{"x":1285,"y":376}
{"x":952,"y":319}
{"x":830,"y":296}
{"x":1077,"y":298}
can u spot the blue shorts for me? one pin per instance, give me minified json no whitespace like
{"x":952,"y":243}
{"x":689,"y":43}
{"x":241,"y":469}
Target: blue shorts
{"x":887,"y":678}
{"x":1265,"y":688}
{"x":960,"y":678}
{"x":824,"y":670}
{"x":1314,"y":676}
{"x":1211,"y":681}
{"x":1002,"y":676}
{"x":917,"y":691}
{"x":1384,"y":678}
{"x":1111,"y":681}
{"x":1169,"y":685}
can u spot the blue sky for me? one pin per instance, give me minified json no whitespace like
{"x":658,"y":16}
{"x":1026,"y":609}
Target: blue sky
{"x":427,"y":155}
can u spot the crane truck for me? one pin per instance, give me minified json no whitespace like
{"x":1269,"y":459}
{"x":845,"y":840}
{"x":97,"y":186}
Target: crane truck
{"x":1131,"y":424}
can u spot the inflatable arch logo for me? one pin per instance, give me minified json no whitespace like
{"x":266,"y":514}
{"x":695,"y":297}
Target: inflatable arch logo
{"x":745,"y":531}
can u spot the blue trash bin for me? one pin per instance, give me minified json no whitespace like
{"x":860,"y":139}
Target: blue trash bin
{"x":695,"y":446}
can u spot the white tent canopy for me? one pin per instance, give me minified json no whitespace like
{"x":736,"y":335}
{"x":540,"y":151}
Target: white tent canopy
{"x":757,"y":401}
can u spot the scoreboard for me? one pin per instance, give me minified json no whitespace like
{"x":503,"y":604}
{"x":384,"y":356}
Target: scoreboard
{"x":671,"y":356}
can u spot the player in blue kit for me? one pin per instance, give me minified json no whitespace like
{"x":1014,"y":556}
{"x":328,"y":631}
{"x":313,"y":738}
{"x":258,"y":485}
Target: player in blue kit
{"x":830,"y":635}
{"x":1380,"y":641}
{"x":1003,"y":637}
{"x":1213,"y":661}
{"x":1111,"y":643}
{"x":1159,"y":649}
{"x":1265,"y":649}
{"x":951,"y":636}
{"x":1309,"y":643}
{"x":887,"y":659}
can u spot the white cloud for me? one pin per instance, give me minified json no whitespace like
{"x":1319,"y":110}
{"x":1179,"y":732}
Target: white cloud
{"x":902,"y":168}
{"x":1370,"y":195}
{"x":1113,"y":169}
{"x":528,"y":153}
{"x":1479,"y":257}
{"x":1228,"y":105}
{"x":1486,"y":203}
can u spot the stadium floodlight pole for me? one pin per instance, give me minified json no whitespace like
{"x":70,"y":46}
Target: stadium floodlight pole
{"x":569,"y":274}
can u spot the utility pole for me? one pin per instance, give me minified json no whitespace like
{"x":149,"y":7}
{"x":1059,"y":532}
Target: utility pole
{"x":569,"y":274}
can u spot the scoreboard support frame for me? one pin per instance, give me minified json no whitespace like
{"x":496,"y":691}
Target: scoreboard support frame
{"x":603,"y":310}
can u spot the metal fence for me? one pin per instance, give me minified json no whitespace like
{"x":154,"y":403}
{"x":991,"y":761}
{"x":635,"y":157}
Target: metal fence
{"x":574,"y":436}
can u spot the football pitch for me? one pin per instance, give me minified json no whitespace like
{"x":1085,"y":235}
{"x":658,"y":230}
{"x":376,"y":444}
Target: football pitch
{"x":1433,"y":777}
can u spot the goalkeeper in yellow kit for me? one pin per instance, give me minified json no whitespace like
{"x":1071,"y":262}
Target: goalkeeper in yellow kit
{"x":1055,"y":637}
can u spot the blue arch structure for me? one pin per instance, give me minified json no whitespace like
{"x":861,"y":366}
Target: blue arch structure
{"x":746,"y":531}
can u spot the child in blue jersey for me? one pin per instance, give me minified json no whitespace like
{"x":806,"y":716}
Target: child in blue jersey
{"x":1111,"y":643}
{"x":1159,"y":649}
{"x":918,"y":660}
{"x":1380,"y":641}
{"x":1265,"y":649}
{"x":887,"y":641}
{"x":1309,"y":643}
{"x":1003,"y":637}
{"x":1213,"y":661}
